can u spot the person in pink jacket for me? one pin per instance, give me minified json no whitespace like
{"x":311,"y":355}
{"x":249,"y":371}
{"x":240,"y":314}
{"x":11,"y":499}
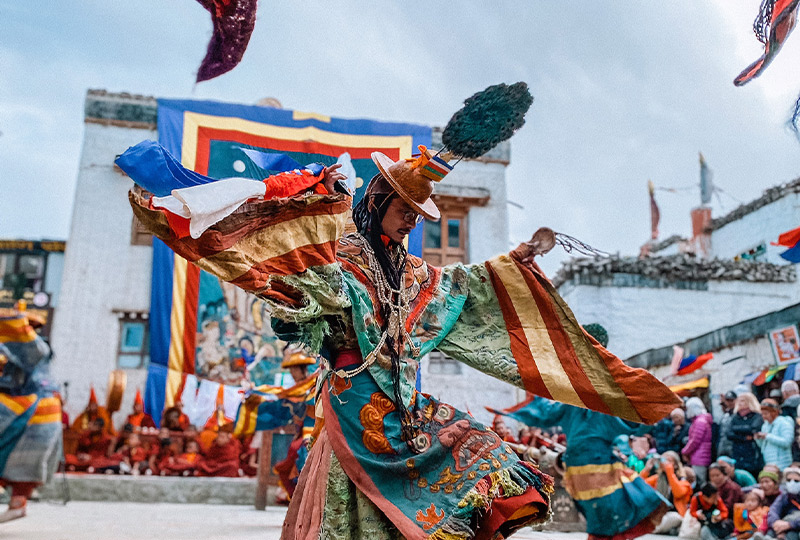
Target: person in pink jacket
{"x":697,"y":451}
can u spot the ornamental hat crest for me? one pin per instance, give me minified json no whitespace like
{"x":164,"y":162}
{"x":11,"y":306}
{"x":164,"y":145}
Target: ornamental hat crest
{"x":486,"y":119}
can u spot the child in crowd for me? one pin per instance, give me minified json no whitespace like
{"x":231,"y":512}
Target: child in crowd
{"x":161,"y":451}
{"x":133,"y":456}
{"x":707,"y":508}
{"x":750,"y":516}
{"x":184,"y":464}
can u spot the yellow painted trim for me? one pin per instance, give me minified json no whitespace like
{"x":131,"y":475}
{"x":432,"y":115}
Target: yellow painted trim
{"x":300,"y":115}
{"x":544,"y":354}
{"x":193,"y":121}
{"x":177,"y":323}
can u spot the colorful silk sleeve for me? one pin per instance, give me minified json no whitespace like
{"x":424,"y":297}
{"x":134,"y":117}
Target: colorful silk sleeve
{"x":516,"y":327}
{"x":263,"y":244}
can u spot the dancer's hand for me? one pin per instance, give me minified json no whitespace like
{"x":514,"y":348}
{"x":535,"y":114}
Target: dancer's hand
{"x":540,"y":243}
{"x":331,"y":175}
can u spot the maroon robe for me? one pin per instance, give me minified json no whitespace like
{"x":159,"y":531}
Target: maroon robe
{"x":221,"y":460}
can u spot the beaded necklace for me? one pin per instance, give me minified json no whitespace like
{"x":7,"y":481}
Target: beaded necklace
{"x":400,"y":307}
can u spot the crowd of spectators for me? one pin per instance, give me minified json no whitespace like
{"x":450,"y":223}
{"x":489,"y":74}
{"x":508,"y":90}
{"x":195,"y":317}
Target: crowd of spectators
{"x":176,"y":449}
{"x":733,"y":476}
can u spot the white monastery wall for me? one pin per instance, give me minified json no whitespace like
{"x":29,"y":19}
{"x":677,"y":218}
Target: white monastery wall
{"x":759,"y":227}
{"x":638,"y":319}
{"x":103,"y":272}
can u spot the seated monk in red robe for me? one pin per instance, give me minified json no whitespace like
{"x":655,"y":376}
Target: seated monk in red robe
{"x":133,"y":455}
{"x":164,"y":449}
{"x":222,"y":458}
{"x":183,"y":464}
{"x":92,"y":452}
{"x":93,"y":411}
{"x":248,"y":461}
{"x":139,"y":418}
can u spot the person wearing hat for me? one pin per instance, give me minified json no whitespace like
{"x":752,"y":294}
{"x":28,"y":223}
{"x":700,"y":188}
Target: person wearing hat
{"x":740,"y":476}
{"x":397,"y":462}
{"x":298,"y":363}
{"x":769,"y":480}
{"x":776,"y":435}
{"x":93,"y":410}
{"x":139,"y":418}
{"x":727,"y":402}
{"x":783,"y":518}
{"x":30,"y":414}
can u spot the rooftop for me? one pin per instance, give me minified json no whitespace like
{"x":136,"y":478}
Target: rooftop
{"x":120,"y":109}
{"x":655,"y":247}
{"x":769,"y":196}
{"x":137,"y":111}
{"x":675,"y":271}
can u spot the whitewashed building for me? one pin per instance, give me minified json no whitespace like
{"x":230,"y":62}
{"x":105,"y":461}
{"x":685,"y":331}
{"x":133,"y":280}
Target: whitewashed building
{"x":105,"y":294}
{"x":721,"y":291}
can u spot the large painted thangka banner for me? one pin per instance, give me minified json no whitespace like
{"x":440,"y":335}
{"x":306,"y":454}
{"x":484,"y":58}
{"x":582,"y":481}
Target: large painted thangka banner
{"x":207,"y":336}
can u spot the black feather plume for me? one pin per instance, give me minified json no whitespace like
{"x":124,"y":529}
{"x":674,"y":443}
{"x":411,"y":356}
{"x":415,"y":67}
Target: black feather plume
{"x":487,"y":119}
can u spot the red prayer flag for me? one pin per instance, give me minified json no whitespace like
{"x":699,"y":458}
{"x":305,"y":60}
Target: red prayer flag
{"x":788,"y":239}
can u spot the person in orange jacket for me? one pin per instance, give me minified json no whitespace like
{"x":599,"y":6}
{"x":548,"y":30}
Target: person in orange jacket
{"x":666,"y":475}
{"x":707,"y":508}
{"x":750,"y":516}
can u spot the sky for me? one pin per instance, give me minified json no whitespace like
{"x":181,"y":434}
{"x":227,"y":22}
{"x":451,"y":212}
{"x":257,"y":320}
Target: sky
{"x":624,"y":92}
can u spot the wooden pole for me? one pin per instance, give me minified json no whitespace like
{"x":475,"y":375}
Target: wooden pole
{"x":264,"y":460}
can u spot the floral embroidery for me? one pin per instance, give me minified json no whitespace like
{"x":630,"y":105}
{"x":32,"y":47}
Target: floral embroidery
{"x":371,"y":416}
{"x":430,"y":518}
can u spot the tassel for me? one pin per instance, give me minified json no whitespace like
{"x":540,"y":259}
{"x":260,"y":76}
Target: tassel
{"x":570,"y":243}
{"x":763,"y":20}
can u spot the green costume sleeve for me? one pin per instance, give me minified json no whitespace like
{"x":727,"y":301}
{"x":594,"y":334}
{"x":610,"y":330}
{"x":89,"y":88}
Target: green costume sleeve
{"x":506,"y":319}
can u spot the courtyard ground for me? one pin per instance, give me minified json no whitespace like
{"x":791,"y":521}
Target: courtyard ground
{"x":139,"y":521}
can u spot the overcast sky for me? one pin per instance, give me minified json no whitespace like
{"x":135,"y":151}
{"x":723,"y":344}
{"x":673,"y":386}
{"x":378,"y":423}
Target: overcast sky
{"x":624,"y":92}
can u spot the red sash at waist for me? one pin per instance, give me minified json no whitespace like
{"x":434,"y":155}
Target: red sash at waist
{"x":347,"y":358}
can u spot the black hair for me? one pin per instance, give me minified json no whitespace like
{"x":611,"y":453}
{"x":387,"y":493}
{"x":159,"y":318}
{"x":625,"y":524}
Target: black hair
{"x":708,"y":489}
{"x":716,"y":466}
{"x":367,"y":216}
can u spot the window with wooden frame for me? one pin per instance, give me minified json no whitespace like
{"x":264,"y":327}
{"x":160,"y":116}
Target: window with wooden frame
{"x":134,"y":341}
{"x":445,"y":242}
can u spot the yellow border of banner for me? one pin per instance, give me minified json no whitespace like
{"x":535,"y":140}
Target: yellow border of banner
{"x":192,"y":122}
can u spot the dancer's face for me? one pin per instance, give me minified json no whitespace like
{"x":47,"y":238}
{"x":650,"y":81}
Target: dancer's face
{"x":399,"y":220}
